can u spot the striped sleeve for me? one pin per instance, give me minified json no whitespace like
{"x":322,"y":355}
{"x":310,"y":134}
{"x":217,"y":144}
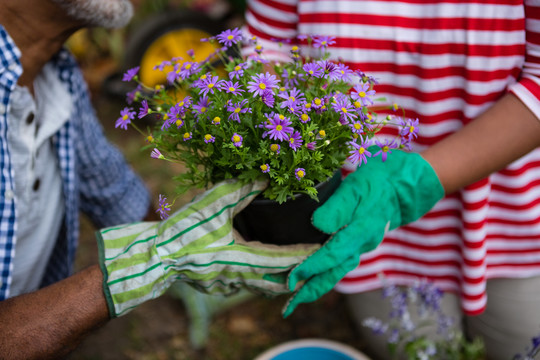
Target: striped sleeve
{"x":269,"y":20}
{"x":527,"y":89}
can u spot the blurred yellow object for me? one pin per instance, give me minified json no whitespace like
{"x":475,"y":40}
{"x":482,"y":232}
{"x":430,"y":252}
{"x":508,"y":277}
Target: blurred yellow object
{"x":173,"y":44}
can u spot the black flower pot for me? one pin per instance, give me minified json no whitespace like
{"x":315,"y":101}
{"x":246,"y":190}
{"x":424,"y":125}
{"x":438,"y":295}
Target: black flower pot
{"x":268,"y":221}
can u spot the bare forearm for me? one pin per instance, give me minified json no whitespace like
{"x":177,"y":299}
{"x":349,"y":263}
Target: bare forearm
{"x":502,"y":134}
{"x":49,"y":323}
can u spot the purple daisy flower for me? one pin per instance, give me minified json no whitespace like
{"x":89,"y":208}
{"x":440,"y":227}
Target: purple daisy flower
{"x":202,"y":106}
{"x":293,"y":96}
{"x":173,"y":75}
{"x":143,"y":111}
{"x":187,"y":136}
{"x":385,"y":148}
{"x":359,"y":153}
{"x":317,"y":103}
{"x":126,"y":115}
{"x":208,"y":85}
{"x":156,"y":154}
{"x":342,"y":73}
{"x":299,"y":173}
{"x":313,"y":69}
{"x":409,"y":128}
{"x":323,"y":41}
{"x":229,"y":37}
{"x":133,"y":94}
{"x":295,"y":140}
{"x":311,"y":145}
{"x":268,"y":98}
{"x":237,"y":109}
{"x":188,"y":68}
{"x":279,"y":127}
{"x":209,"y":138}
{"x":230,"y":87}
{"x":161,"y":65}
{"x":163,"y":207}
{"x":304,"y":118}
{"x":276,"y":148}
{"x":262,"y":82}
{"x":131,"y":73}
{"x":237,"y":139}
{"x":238,"y":71}
{"x":357,"y":127}
{"x":363,"y":94}
{"x":345,"y":109}
{"x":265,"y":168}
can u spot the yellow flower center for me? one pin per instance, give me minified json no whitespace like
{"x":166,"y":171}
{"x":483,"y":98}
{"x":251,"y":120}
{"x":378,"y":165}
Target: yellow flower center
{"x":281,"y":117}
{"x":203,"y":77}
{"x":385,"y":148}
{"x":203,"y":109}
{"x":362,"y":94}
{"x":310,"y":72}
{"x":262,"y":86}
{"x":292,"y":98}
{"x":279,"y":128}
{"x":357,"y":104}
{"x":308,"y":105}
{"x":300,"y":174}
{"x":411,"y":128}
{"x":357,"y":126}
{"x":322,"y":133}
{"x":236,"y":138}
{"x":258,"y":47}
{"x":361,"y":150}
{"x":181,"y":103}
{"x":211,"y":85}
{"x":344,"y":110}
{"x":188,"y":66}
{"x":208,"y":136}
{"x":305,"y":117}
{"x":149,"y":138}
{"x":186,"y":135}
{"x":231,"y":89}
{"x":230,"y":37}
{"x":237,"y":67}
{"x":274,"y":147}
{"x":216,"y":120}
{"x":282,"y":89}
{"x":317,"y":101}
{"x":125,"y":117}
{"x":179,"y":122}
{"x":295,"y":48}
{"x":264,"y":167}
{"x":323,"y":43}
{"x":237,"y":110}
{"x":395,"y":106}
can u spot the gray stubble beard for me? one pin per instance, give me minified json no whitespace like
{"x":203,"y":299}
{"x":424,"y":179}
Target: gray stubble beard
{"x":103,"y":13}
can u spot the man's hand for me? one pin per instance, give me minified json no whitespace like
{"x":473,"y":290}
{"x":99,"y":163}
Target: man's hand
{"x":196,"y":245}
{"x":376,"y":198}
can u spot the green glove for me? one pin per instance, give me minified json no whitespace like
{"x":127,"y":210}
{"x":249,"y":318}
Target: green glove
{"x":377,"y":197}
{"x":196,"y":245}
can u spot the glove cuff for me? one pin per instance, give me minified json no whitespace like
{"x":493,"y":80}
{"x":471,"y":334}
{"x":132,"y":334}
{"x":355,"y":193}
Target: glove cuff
{"x":132,"y":270}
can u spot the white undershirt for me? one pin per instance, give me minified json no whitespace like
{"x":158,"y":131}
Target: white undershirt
{"x":38,"y":185}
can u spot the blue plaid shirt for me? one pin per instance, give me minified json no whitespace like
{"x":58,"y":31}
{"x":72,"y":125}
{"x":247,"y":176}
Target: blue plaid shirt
{"x":95,"y":178}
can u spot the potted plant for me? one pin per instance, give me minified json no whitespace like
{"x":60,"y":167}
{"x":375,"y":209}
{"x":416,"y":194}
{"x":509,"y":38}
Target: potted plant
{"x":292,"y":123}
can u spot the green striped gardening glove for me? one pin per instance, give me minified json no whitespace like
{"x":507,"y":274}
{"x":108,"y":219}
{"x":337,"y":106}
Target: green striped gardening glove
{"x":196,"y":245}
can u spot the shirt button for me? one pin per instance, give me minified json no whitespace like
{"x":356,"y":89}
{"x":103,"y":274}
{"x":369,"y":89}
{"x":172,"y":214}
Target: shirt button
{"x":9,"y":194}
{"x":30,"y":118}
{"x":36,"y":185}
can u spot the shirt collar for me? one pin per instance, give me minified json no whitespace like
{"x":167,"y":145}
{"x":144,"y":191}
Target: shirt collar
{"x":10,"y":65}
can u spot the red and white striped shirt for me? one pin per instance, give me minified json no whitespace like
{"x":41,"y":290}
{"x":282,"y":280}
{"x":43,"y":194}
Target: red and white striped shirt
{"x":444,"y":62}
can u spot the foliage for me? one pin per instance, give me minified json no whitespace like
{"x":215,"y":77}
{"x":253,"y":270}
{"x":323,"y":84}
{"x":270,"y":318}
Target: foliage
{"x":293,"y":123}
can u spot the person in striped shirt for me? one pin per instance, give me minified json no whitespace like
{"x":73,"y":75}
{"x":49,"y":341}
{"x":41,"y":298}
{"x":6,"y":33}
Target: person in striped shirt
{"x":468,"y":70}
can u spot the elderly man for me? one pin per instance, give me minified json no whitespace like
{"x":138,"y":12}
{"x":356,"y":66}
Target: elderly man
{"x":56,"y":162}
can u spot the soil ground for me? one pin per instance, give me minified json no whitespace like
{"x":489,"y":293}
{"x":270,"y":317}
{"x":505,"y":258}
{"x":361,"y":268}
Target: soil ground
{"x":159,"y":329}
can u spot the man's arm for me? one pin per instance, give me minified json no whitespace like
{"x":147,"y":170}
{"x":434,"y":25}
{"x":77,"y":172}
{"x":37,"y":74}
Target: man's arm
{"x":504,"y":133}
{"x":49,"y":323}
